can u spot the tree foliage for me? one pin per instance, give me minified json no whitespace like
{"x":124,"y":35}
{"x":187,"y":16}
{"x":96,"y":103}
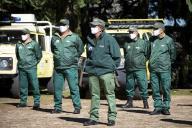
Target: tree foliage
{"x":80,"y":12}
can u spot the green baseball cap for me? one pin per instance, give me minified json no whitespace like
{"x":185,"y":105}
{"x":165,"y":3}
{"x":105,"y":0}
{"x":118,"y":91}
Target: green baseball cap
{"x":26,"y":31}
{"x":158,"y":25}
{"x":64,"y":22}
{"x":132,"y":29}
{"x":97,"y":22}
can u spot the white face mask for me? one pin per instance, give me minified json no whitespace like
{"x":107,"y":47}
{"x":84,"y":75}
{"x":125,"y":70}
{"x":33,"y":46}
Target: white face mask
{"x":24,"y":37}
{"x":63,"y":28}
{"x":94,"y":30}
{"x":156,"y":32}
{"x":133,"y":36}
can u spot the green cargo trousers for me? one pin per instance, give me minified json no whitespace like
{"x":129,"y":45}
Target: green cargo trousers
{"x":58,"y":80}
{"x":27,"y":76}
{"x":141,"y":78}
{"x":108,"y":81}
{"x":163,"y":79}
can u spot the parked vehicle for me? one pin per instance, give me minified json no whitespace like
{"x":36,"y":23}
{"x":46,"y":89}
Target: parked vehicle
{"x":10,"y":34}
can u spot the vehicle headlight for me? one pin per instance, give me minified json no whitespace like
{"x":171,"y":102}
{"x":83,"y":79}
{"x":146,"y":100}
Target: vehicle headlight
{"x":6,"y":63}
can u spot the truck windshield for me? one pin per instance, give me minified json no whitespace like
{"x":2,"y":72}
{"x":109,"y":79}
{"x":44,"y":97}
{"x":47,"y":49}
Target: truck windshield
{"x":10,"y":36}
{"x":121,"y":38}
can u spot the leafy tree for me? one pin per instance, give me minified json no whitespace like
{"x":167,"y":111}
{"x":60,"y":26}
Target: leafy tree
{"x":81,"y":12}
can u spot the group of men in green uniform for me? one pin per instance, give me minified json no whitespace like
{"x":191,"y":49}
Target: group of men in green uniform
{"x":103,"y":58}
{"x":160,"y":52}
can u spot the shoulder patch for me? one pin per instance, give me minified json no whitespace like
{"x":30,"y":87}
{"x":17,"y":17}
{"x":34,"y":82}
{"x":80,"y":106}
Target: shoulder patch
{"x":162,"y":45}
{"x":20,"y":47}
{"x":90,"y":48}
{"x":57,"y":41}
{"x":68,"y":41}
{"x":137,"y":48}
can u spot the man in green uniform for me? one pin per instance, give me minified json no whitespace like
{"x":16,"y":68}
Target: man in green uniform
{"x":136,"y":54}
{"x":162,"y":56}
{"x":103,"y":54}
{"x":67,"y":47}
{"x":28,"y":53}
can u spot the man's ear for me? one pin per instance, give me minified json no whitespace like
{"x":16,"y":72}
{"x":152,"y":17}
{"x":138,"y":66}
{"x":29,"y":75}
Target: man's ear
{"x":161,"y":30}
{"x":101,"y":28}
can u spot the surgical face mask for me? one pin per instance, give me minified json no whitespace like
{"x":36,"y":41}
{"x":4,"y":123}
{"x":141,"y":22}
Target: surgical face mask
{"x":156,"y":32}
{"x":133,"y":36}
{"x":94,"y":30}
{"x":24,"y":37}
{"x":63,"y":28}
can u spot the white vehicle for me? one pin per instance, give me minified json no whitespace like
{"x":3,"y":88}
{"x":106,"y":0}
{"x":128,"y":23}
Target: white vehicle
{"x":10,"y":34}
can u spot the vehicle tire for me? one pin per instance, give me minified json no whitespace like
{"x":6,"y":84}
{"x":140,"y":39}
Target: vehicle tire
{"x":137,"y":95}
{"x":15,"y":87}
{"x":50,"y":87}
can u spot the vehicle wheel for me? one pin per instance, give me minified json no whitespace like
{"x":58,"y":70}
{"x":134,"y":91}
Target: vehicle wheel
{"x":120,"y":93}
{"x":15,"y":87}
{"x":137,"y":95}
{"x":50,"y":87}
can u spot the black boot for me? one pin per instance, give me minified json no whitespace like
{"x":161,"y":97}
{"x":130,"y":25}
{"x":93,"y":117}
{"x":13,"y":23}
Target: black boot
{"x":36,"y":107}
{"x":145,"y":104}
{"x":90,"y":122}
{"x":165,"y":112}
{"x":76,"y":111}
{"x":156,"y":112}
{"x":129,"y":103}
{"x":21,"y":105}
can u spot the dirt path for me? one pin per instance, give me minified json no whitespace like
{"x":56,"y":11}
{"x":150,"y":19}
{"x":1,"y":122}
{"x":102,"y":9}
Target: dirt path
{"x":11,"y":117}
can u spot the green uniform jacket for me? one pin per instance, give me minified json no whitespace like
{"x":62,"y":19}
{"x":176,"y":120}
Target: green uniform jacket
{"x":163,"y":54}
{"x":103,"y":55}
{"x":28,"y":55}
{"x":136,"y":55}
{"x":66,"y":51}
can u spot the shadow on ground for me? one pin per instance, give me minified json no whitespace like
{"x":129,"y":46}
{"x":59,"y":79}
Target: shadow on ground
{"x":77,"y":120}
{"x":136,"y":111}
{"x":119,"y":105}
{"x":178,"y":121}
{"x":72,"y":119}
{"x":48,"y":110}
{"x":13,"y":104}
{"x":190,"y":105}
